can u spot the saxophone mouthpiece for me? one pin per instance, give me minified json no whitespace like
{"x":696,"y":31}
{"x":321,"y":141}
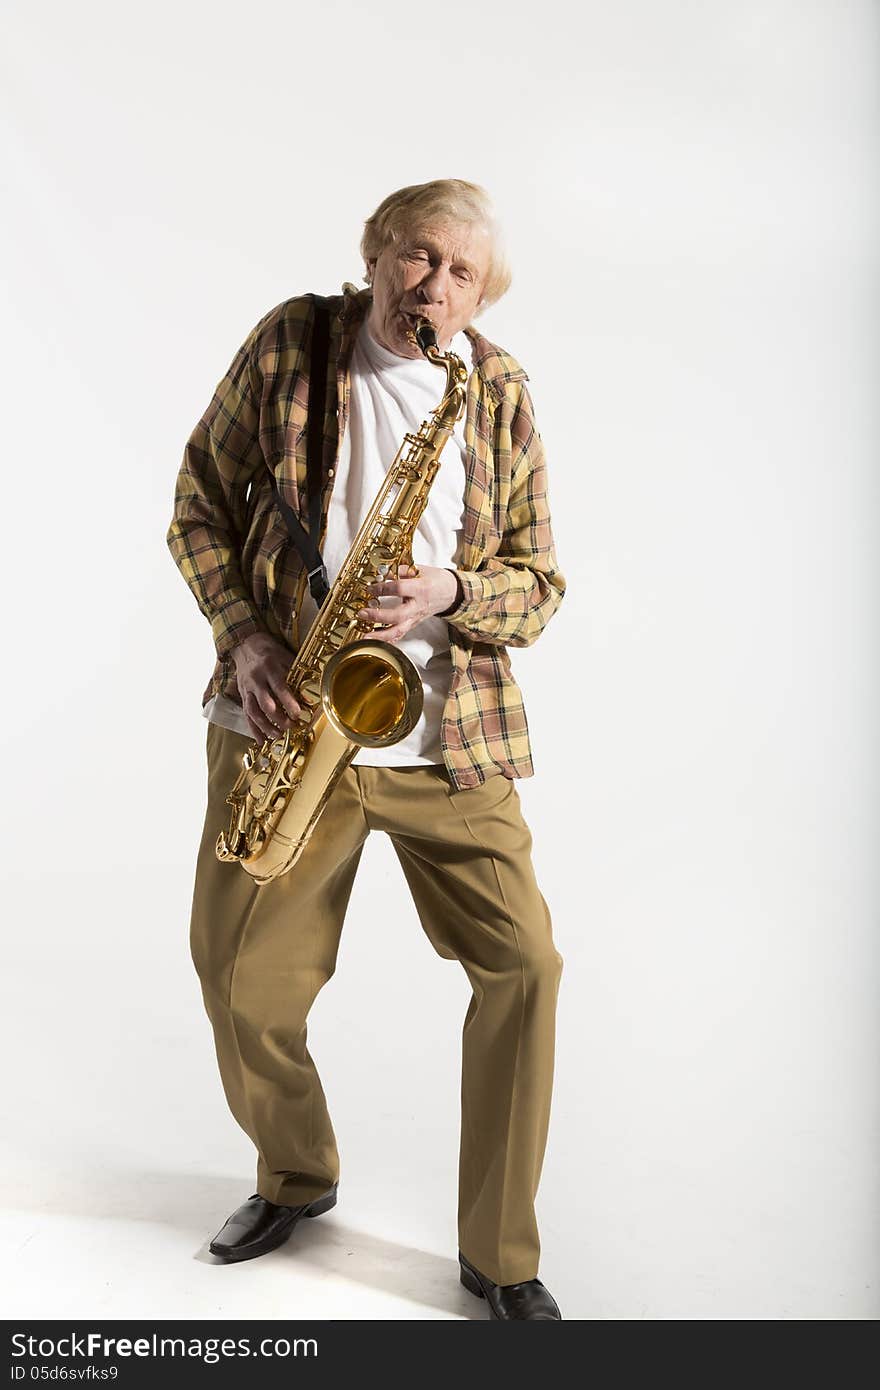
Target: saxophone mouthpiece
{"x":425,"y":335}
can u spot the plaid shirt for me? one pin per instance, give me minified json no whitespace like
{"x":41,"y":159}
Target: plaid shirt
{"x":233,"y":549}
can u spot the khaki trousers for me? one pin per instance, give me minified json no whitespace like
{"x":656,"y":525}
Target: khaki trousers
{"x":263,"y":953}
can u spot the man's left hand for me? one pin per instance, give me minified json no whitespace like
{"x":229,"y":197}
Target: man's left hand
{"x":431,"y":591}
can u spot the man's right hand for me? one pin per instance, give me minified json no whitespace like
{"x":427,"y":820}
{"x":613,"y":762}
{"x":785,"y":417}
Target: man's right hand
{"x":261,"y":667}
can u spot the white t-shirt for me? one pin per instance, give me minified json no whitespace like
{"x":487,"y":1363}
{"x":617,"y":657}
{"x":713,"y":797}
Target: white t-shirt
{"x":390,"y":396}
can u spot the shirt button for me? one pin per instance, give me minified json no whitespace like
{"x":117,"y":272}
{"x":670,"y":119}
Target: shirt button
{"x":330,"y":472}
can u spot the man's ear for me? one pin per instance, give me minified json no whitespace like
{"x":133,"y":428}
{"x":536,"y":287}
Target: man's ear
{"x":371,"y":266}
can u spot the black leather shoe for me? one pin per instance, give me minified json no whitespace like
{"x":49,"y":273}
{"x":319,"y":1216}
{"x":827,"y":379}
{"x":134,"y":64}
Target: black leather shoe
{"x":260,"y":1226}
{"x":529,"y":1299}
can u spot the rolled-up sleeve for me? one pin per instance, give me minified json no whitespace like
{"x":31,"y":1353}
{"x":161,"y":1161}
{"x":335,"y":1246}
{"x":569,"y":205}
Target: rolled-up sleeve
{"x":513,"y":594}
{"x":221,"y":456}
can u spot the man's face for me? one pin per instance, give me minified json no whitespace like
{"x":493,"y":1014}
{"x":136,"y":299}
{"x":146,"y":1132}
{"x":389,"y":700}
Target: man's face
{"x":437,"y":271}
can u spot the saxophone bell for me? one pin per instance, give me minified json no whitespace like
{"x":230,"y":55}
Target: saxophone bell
{"x":371,"y":693}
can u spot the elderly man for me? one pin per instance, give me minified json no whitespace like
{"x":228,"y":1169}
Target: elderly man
{"x":486,"y":579}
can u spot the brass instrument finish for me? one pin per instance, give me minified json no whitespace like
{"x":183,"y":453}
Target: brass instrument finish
{"x":355,"y":690}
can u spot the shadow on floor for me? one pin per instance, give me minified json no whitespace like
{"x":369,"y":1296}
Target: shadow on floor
{"x":327,"y":1244}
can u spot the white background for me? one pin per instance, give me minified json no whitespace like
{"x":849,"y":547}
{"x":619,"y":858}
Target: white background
{"x":690,"y":196}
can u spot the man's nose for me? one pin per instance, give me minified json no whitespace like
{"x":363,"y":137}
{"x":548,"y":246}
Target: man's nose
{"x":435,"y":284}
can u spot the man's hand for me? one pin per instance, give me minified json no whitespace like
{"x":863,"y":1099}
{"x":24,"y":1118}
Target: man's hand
{"x":261,"y":667}
{"x":433,"y":591}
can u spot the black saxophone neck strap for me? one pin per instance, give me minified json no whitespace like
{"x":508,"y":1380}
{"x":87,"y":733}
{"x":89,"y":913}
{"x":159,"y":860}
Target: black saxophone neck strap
{"x":305,"y":541}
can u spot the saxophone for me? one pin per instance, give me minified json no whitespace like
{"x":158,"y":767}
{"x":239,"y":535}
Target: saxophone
{"x":355,"y":691}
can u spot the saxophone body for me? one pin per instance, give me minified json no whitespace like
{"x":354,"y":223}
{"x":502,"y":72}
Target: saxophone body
{"x":355,"y":691}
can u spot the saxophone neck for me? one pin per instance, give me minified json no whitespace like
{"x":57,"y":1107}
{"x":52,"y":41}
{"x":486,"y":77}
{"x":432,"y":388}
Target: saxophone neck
{"x":424,"y":335}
